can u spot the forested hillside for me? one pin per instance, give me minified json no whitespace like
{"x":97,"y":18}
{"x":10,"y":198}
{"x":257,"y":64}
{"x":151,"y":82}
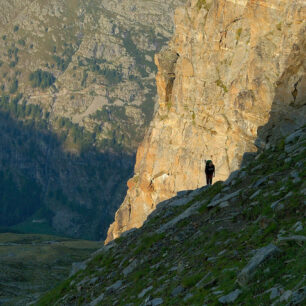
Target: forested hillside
{"x":77,"y":93}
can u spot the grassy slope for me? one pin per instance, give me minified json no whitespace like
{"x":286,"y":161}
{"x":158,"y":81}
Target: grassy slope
{"x":32,"y":264}
{"x":216,"y":243}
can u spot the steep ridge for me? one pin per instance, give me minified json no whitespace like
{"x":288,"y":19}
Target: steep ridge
{"x":241,"y":241}
{"x":231,"y":72}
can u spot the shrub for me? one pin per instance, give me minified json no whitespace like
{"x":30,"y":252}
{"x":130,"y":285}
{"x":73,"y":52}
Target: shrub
{"x":222,"y":85}
{"x":14,"y":86}
{"x":202,"y":3}
{"x":21,"y":42}
{"x":238,"y":33}
{"x":42,"y":79}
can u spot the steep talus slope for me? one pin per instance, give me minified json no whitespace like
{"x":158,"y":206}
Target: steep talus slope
{"x":240,"y":241}
{"x":231,"y":78}
{"x":77,"y":93}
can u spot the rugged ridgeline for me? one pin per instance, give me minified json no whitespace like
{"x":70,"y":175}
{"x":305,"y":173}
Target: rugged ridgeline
{"x":232,"y":76}
{"x":77,"y":92}
{"x":241,"y":241}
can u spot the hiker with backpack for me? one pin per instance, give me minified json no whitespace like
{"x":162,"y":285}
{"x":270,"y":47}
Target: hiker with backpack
{"x":209,"y":171}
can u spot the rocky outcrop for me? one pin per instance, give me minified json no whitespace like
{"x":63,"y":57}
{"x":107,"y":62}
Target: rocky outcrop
{"x":232,"y":76}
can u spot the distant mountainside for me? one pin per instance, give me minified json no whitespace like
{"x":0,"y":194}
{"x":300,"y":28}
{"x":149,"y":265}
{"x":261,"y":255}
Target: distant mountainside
{"x":90,"y":62}
{"x":77,"y":93}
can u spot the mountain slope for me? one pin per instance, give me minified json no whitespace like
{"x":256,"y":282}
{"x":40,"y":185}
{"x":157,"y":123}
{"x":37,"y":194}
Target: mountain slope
{"x":241,"y":241}
{"x":44,"y":189}
{"x":232,"y":72}
{"x":77,"y":93}
{"x":100,"y":55}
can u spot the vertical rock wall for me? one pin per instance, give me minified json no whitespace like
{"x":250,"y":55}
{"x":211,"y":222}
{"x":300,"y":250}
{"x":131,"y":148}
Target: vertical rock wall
{"x":233,"y":68}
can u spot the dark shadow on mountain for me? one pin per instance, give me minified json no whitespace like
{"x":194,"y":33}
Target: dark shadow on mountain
{"x":44,"y":189}
{"x":288,"y":110}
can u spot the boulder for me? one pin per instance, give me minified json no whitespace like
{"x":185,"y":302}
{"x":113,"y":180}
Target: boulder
{"x":261,"y":255}
{"x":231,"y":297}
{"x":97,"y":300}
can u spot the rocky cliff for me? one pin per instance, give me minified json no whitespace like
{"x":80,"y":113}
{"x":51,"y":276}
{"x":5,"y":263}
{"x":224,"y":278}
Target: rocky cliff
{"x":232,"y":77}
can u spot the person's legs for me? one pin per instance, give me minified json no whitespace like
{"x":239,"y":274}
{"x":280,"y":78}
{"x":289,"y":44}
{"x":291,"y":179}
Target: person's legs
{"x":209,"y":179}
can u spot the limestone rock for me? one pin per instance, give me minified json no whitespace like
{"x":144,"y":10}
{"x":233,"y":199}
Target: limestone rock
{"x":226,"y":79}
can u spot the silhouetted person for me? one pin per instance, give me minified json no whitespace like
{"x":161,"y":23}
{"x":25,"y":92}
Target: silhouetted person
{"x":209,"y":171}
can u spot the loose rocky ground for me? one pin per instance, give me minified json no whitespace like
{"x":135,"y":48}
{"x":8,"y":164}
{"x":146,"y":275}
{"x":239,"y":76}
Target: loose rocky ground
{"x":240,"y":241}
{"x":32,"y":264}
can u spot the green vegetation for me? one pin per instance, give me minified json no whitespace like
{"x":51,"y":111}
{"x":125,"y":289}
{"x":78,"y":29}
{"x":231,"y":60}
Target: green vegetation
{"x":100,"y":67}
{"x":14,"y":86}
{"x":23,"y":192}
{"x":133,"y":50}
{"x":64,"y":60}
{"x":219,"y":83}
{"x":21,"y":42}
{"x":41,"y":79}
{"x":84,"y":78}
{"x":238,"y":34}
{"x":16,"y":28}
{"x":201,"y":255}
{"x":148,"y":103}
{"x":169,"y":105}
{"x":39,"y":262}
{"x":279,"y":26}
{"x":118,"y":137}
{"x":74,"y":134}
{"x":202,"y":3}
{"x":147,"y":242}
{"x":24,"y":129}
{"x":13,"y":52}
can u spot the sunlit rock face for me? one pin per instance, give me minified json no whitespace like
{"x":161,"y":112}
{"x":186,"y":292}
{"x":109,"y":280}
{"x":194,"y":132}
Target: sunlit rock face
{"x":232,"y":73}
